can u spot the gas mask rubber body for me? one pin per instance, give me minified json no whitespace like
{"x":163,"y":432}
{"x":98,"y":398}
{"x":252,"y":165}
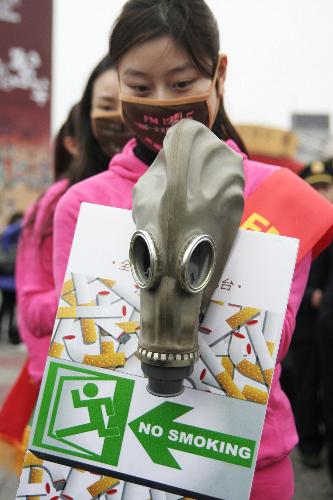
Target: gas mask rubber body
{"x":110,"y":131}
{"x":187,"y":209}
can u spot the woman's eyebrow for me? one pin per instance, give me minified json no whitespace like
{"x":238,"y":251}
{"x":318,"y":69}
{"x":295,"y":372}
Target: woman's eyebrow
{"x":106,"y":98}
{"x":134,"y":72}
{"x":180,"y":69}
{"x":173,"y":71}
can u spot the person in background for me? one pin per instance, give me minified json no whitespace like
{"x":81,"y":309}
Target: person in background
{"x":167,"y":56}
{"x":81,"y":150}
{"x":8,"y":245}
{"x":313,"y":343}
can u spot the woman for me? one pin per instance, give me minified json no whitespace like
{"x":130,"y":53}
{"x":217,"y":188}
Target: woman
{"x":83,"y":148}
{"x":167,"y":57}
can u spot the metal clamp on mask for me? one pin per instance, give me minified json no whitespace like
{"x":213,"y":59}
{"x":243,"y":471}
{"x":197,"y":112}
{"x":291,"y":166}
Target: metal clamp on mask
{"x":187,"y":209}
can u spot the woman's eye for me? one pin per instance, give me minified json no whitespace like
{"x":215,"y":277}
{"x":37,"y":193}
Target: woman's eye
{"x":183,"y":85}
{"x":106,"y":108}
{"x":140,"y":88}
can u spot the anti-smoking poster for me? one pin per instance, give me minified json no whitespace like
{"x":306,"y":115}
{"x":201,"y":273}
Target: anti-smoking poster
{"x":97,"y":431}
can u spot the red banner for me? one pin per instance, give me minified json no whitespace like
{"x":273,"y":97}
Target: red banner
{"x":295,"y":209}
{"x":25,"y":71}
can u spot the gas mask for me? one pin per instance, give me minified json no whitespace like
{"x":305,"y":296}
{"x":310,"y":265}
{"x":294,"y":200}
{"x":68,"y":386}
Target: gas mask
{"x":110,"y":131}
{"x":187,"y":209}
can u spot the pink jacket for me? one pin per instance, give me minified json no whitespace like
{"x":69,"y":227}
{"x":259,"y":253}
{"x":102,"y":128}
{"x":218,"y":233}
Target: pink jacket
{"x":36,"y":297}
{"x":114,"y":187}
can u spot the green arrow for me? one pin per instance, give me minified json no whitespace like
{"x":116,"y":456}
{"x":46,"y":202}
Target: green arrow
{"x":157,"y":433}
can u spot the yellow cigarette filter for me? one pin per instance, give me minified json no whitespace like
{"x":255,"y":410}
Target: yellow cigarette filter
{"x":70,"y":298}
{"x":270,"y":346}
{"x":36,"y":475}
{"x":34,"y":498}
{"x":268,"y":375}
{"x":67,"y":287}
{"x":25,"y":438}
{"x":217,"y":302}
{"x":228,"y":385}
{"x":89,"y":331}
{"x":256,"y":395}
{"x":228,"y":365}
{"x":239,"y":319}
{"x":31,"y":460}
{"x":250,"y":370}
{"x":65,"y":312}
{"x":56,"y":350}
{"x":108,"y":283}
{"x":129,"y":326}
{"x":101,"y":486}
{"x":108,"y":357}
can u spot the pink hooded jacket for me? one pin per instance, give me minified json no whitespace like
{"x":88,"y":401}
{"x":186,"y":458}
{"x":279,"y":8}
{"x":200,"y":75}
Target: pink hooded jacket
{"x":36,"y":297}
{"x":114,"y":187}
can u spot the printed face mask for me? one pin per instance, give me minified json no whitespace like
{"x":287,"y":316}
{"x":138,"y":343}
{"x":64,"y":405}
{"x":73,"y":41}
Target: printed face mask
{"x":187,"y":209}
{"x":150,"y":119}
{"x":109,"y":131}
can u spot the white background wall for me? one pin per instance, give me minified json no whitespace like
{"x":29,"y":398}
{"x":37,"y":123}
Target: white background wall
{"x":280,"y":55}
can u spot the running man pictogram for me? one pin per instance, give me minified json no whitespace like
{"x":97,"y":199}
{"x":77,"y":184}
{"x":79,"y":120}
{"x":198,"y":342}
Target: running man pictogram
{"x":94,"y":406}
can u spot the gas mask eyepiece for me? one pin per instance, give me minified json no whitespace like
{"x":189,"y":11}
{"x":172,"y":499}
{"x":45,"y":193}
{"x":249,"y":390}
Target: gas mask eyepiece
{"x":197,"y":263}
{"x":144,"y":260}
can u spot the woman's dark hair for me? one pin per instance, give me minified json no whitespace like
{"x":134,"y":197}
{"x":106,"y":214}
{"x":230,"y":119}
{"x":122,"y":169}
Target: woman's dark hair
{"x":91,"y":159}
{"x":190,"y":23}
{"x":62,"y":158}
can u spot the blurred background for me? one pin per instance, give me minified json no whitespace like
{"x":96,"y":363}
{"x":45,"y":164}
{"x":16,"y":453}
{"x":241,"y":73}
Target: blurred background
{"x":278,"y":93}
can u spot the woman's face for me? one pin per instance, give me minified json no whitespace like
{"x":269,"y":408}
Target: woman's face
{"x":162,"y":69}
{"x":105,"y":93}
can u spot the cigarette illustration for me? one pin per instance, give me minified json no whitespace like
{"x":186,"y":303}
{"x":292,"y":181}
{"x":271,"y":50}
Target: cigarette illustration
{"x":272,"y":324}
{"x":90,"y":312}
{"x":34,"y":490}
{"x":102,"y":485}
{"x":108,"y":357}
{"x":228,"y":365}
{"x":239,"y":350}
{"x":218,"y":371}
{"x":128,"y":335}
{"x":239,"y":319}
{"x":58,"y":473}
{"x":108,"y":283}
{"x":258,"y":341}
{"x":107,"y":317}
{"x":103,"y":299}
{"x":67,"y":287}
{"x":256,"y":395}
{"x":31,"y":460}
{"x":129,"y":326}
{"x":64,"y":329}
{"x":83,"y":297}
{"x":217,"y":302}
{"x":36,"y":479}
{"x":70,"y":298}
{"x":126,"y":291}
{"x":78,"y":484}
{"x":56,"y":350}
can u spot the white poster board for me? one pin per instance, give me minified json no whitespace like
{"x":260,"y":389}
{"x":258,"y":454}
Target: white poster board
{"x":94,"y":411}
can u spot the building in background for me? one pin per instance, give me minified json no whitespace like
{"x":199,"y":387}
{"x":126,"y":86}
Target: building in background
{"x":25,"y":86}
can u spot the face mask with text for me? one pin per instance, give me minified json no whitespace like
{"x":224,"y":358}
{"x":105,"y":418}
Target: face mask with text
{"x":150,"y":119}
